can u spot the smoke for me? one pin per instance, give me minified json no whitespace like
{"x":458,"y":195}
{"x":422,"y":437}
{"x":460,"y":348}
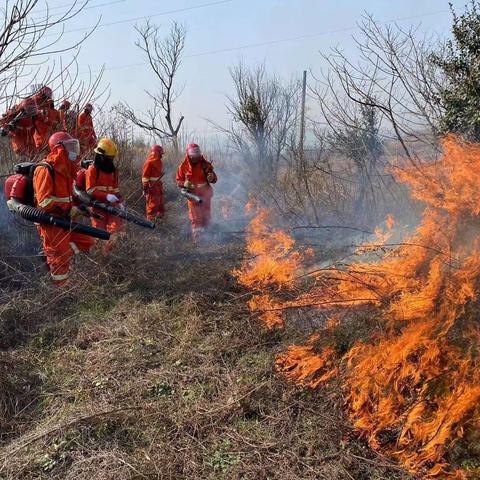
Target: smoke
{"x":407,"y":349}
{"x":19,"y":250}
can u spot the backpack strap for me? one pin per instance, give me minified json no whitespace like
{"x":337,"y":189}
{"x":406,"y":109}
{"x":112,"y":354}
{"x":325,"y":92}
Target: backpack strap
{"x":50,"y":168}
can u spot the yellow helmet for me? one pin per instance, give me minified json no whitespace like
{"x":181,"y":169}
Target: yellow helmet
{"x":106,"y":147}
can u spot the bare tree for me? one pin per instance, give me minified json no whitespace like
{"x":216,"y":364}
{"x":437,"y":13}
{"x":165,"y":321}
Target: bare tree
{"x":27,"y":42}
{"x":164,"y":56}
{"x":395,"y":76}
{"x":361,"y":143}
{"x":264,"y":113}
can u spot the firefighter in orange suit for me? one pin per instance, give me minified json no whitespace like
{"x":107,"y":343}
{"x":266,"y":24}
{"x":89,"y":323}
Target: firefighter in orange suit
{"x":53,"y":189}
{"x":152,"y":184}
{"x":67,"y":118}
{"x":101,"y":182}
{"x":46,"y":119}
{"x":17,"y":123}
{"x":85,"y":131}
{"x":196,"y":174}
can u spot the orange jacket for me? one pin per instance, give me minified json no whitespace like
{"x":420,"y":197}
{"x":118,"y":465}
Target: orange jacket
{"x":99,"y":184}
{"x":41,"y":133}
{"x":54,"y":120}
{"x":22,"y":138}
{"x":21,"y":134}
{"x":195,"y":172}
{"x":61,"y":118}
{"x":85,"y":131}
{"x":68,"y":122}
{"x":54,"y":193}
{"x":152,"y":171}
{"x":42,"y":121}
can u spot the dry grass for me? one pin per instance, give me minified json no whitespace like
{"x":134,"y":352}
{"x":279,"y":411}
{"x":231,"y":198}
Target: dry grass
{"x":153,"y":368}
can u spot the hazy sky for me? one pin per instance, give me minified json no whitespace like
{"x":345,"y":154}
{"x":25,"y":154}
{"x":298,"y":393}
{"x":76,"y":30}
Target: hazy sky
{"x":232,"y":24}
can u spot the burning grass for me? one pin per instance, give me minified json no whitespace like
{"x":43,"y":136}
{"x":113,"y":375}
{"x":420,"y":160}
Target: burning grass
{"x":412,"y":386}
{"x":273,"y":264}
{"x":154,"y":369}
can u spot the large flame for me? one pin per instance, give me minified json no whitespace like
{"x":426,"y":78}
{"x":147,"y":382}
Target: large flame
{"x":412,"y":385}
{"x":271,"y":267}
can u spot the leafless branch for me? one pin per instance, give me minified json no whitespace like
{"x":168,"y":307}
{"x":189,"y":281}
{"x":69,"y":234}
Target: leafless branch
{"x":164,"y":55}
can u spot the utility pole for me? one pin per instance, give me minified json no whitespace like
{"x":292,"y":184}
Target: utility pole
{"x":303,"y":165}
{"x":302,"y":115}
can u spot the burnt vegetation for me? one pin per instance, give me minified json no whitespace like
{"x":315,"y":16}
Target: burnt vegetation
{"x":329,"y":332}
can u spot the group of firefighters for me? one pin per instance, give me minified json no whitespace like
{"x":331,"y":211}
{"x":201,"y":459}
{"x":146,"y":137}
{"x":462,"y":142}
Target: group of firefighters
{"x":30,"y":124}
{"x":59,"y":142}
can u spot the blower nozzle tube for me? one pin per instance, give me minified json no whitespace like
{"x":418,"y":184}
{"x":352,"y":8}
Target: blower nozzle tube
{"x":35,"y":215}
{"x":86,"y":199}
{"x":191,"y":196}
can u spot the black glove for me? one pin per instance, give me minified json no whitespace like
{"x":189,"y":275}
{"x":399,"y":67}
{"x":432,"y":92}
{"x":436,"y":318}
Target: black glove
{"x":3,"y":132}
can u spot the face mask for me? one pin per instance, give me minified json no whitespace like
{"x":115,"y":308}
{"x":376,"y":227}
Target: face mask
{"x":72,"y":156}
{"x":72,"y":148}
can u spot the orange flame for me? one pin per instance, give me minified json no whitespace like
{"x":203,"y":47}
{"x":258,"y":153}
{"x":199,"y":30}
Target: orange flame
{"x":412,"y":387}
{"x":273,"y":264}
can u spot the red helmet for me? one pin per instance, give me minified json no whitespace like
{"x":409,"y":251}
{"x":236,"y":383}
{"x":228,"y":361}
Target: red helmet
{"x":193,"y":150}
{"x":157,"y":149}
{"x":56,"y":138}
{"x":66,"y":104}
{"x":88,"y":106}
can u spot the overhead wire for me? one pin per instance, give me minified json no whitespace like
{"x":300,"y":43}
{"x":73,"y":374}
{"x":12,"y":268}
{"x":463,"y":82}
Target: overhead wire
{"x":67,"y":5}
{"x":280,"y":40}
{"x":153,"y":15}
{"x":50,"y":10}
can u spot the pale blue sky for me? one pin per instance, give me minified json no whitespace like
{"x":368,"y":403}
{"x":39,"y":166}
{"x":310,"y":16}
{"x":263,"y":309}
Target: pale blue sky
{"x":232,"y":24}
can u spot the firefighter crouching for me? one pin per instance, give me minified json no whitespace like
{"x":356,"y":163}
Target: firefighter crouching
{"x":53,"y":189}
{"x":152,"y":184}
{"x":196,"y":174}
{"x":101,"y":183}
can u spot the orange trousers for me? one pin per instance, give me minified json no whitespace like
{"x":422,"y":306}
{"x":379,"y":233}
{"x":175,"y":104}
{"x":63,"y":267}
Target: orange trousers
{"x":154,"y":203}
{"x":111,"y":224}
{"x":200,"y":213}
{"x":59,"y":245}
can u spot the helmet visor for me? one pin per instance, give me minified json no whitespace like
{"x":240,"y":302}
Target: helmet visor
{"x":72,"y":145}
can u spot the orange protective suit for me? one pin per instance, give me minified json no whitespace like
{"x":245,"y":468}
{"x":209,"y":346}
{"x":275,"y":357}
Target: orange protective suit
{"x":41,"y":133}
{"x":86,"y":133}
{"x":197,"y":174}
{"x":53,"y":194}
{"x":21,"y":138}
{"x":45,"y":122}
{"x":153,"y":186}
{"x":99,"y":184}
{"x":54,"y":120}
{"x":18,"y":123}
{"x":68,"y":121}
